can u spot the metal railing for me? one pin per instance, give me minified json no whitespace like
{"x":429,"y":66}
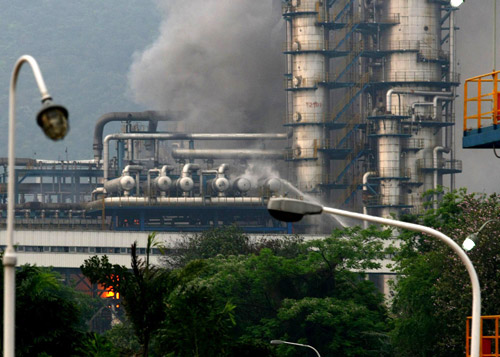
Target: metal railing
{"x":297,"y":46}
{"x":486,"y":93}
{"x":490,"y":336}
{"x":307,"y":6}
{"x":419,"y":76}
{"x":442,"y":164}
{"x":413,"y":144}
{"x":386,"y":200}
{"x":394,"y":172}
{"x":302,"y":153}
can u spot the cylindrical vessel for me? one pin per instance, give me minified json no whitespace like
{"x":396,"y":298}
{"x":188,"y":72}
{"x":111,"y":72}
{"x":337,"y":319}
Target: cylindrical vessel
{"x":309,"y":99}
{"x":219,"y":184}
{"x":413,"y":68}
{"x":273,"y":184}
{"x":185,"y":184}
{"x":241,"y":184}
{"x":120,"y":184}
{"x":162,"y":183}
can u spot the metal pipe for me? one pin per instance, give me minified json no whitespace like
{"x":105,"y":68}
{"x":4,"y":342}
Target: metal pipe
{"x":435,"y":159}
{"x":452,"y":70}
{"x":128,"y":168}
{"x":149,"y":179}
{"x":365,"y":188}
{"x":175,"y":201}
{"x":222,"y":169}
{"x":165,"y":169}
{"x":448,"y":98}
{"x":241,"y":154}
{"x":181,"y":136}
{"x":188,"y":169}
{"x":390,"y":92}
{"x":150,"y":116}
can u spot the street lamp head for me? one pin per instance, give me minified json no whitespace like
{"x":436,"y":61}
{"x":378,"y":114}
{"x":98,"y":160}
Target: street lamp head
{"x":53,"y":119}
{"x":291,"y":210}
{"x":277,"y":342}
{"x":470,"y":242}
{"x":456,"y":3}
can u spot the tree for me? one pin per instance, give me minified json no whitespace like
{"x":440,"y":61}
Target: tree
{"x":142,"y":290}
{"x":307,"y":297}
{"x":433,"y":295}
{"x":49,"y":315}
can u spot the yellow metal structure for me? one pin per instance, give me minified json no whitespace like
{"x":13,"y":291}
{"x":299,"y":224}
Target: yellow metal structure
{"x":484,"y":98}
{"x":490,"y":337}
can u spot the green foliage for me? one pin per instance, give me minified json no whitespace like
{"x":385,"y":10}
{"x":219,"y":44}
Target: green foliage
{"x":433,"y":294}
{"x":49,"y":315}
{"x":95,"y":345}
{"x":142,"y":290}
{"x":123,"y":339}
{"x":230,"y":296}
{"x":293,"y":296}
{"x":223,"y":241}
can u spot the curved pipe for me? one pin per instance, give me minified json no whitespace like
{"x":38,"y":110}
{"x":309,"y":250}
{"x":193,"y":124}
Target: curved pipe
{"x":435,"y":163}
{"x":165,"y":169}
{"x":222,"y":169}
{"x":214,"y":154}
{"x":152,"y":117}
{"x":182,"y":136}
{"x":365,"y":188}
{"x":435,"y":103}
{"x":390,"y":92}
{"x":188,"y":168}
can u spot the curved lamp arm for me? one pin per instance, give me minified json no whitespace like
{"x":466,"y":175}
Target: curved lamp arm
{"x":280,"y":342}
{"x":55,"y":126}
{"x":292,"y":210}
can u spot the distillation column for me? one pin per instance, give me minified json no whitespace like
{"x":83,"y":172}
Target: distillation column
{"x":414,"y":87}
{"x":309,"y":102}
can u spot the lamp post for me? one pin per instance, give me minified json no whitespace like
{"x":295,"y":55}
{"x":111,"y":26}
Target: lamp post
{"x":292,"y":210}
{"x":280,"y":342}
{"x":54,"y":121}
{"x":471,"y":240}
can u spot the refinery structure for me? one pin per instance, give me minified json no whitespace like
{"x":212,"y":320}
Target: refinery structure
{"x":370,"y":89}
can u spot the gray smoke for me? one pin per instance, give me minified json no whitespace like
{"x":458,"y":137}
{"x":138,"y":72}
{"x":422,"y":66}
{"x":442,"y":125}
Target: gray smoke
{"x":219,"y":61}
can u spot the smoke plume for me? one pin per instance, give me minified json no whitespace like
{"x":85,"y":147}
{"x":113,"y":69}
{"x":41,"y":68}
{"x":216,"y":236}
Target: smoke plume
{"x":219,"y":62}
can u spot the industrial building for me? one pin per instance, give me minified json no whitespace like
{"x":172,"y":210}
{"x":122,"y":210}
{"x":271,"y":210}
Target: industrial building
{"x":370,"y":90}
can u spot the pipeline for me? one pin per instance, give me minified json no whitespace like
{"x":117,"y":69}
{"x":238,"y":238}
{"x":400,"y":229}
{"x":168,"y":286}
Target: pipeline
{"x":175,"y":202}
{"x":220,"y":154}
{"x":182,"y":136}
{"x":152,"y":117}
{"x":435,"y":163}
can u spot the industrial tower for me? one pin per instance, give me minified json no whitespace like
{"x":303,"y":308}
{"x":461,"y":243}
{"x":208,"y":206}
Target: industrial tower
{"x":370,"y":92}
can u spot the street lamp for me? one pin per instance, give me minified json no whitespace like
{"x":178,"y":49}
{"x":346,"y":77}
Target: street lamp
{"x":280,"y":342}
{"x":471,"y":240}
{"x":54,"y":121}
{"x":292,"y":210}
{"x":456,"y":3}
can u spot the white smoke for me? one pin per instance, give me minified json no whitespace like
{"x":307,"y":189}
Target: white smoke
{"x":219,"y":62}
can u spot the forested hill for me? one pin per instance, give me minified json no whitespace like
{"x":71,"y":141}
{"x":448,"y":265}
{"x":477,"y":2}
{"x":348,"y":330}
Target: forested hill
{"x":84,"y":49}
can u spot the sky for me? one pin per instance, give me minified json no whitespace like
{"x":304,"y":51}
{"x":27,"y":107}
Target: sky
{"x":481,"y":168}
{"x":233,"y":82}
